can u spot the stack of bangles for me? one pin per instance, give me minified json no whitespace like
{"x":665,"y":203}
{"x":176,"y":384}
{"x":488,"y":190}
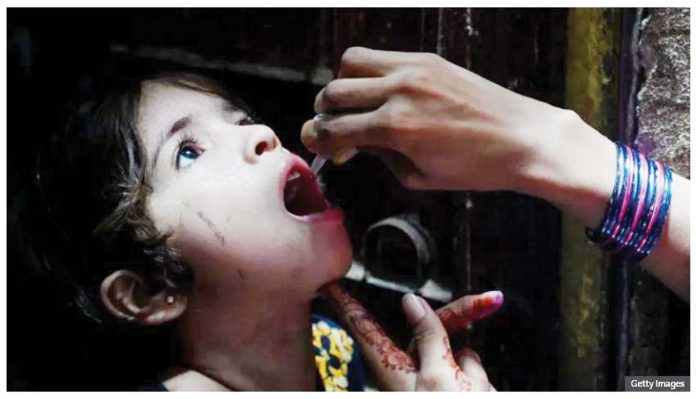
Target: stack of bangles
{"x":638,"y":206}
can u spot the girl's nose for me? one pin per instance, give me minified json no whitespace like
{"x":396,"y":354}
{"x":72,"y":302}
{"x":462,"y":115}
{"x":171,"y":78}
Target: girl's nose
{"x":261,"y":141}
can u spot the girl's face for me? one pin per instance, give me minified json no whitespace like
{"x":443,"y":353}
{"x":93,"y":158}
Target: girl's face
{"x":241,"y":209}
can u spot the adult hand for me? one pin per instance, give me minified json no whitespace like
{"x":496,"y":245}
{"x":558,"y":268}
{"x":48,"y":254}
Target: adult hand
{"x":436,"y":125}
{"x":439,"y":126}
{"x":435,"y":368}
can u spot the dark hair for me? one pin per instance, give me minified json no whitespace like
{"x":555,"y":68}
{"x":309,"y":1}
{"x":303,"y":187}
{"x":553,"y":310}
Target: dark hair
{"x":92,"y":181}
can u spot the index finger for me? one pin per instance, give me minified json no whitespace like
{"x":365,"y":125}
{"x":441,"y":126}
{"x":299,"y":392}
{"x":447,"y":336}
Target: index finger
{"x":333,"y":132}
{"x":366,"y":62}
{"x":394,"y":367}
{"x":456,"y":316}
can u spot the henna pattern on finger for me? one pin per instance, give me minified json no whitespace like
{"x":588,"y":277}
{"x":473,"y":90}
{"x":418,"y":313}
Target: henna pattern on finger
{"x":393,"y":358}
{"x":453,"y":321}
{"x":369,"y":330}
{"x":456,"y":319}
{"x":463,"y":381}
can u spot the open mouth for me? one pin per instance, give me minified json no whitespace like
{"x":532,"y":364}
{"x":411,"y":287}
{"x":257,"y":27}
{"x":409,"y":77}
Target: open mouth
{"x":301,"y":193}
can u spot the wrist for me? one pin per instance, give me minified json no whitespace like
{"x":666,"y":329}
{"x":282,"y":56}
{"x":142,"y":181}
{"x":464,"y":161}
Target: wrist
{"x":574,"y":168}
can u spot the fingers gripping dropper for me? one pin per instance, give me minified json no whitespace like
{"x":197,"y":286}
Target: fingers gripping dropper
{"x":340,"y":157}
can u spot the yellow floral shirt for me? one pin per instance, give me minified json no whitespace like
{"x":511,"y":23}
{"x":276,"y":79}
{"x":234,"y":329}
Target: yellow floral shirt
{"x":336,"y":356}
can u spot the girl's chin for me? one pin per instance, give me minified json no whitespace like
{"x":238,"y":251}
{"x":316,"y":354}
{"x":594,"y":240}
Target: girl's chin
{"x":333,"y":259}
{"x":335,"y":252}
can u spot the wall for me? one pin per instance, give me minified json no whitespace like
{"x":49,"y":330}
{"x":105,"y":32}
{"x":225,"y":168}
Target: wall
{"x":659,"y":321}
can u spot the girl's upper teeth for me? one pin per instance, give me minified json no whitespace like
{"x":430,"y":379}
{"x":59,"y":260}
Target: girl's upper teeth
{"x":293,"y":175}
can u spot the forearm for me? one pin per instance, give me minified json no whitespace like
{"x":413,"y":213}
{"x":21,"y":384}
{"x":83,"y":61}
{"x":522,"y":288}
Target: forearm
{"x":576,"y":169}
{"x":669,"y":261}
{"x":438,"y":126}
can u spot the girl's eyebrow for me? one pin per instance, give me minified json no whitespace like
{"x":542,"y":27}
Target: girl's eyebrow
{"x":233,"y":109}
{"x":180,"y":124}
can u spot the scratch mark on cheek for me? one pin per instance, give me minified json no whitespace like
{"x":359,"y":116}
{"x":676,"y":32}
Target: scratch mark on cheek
{"x":212,"y":228}
{"x":241,"y":275}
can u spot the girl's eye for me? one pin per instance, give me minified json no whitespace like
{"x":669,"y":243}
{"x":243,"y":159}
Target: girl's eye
{"x":248,"y":120}
{"x":186,"y":155}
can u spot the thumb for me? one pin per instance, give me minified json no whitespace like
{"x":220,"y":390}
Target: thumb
{"x":428,"y":333}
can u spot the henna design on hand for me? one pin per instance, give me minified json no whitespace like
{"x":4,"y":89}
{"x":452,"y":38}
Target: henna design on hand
{"x":370,"y":331}
{"x":458,"y":318}
{"x":392,"y":357}
{"x":462,"y":379}
{"x":455,"y":318}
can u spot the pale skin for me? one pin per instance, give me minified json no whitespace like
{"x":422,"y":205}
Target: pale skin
{"x":215,"y":181}
{"x":439,"y":126}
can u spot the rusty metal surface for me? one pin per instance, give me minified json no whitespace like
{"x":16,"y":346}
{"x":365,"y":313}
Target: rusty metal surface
{"x":591,"y":80}
{"x":383,"y":29}
{"x":514,"y":239}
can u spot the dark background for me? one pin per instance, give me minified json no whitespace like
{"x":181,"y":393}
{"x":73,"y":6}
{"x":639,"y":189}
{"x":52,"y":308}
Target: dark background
{"x":278,"y":60}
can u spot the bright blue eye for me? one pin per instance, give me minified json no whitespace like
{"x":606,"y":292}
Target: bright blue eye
{"x":186,"y":156}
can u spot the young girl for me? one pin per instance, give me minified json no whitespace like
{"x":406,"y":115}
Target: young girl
{"x":189,"y":211}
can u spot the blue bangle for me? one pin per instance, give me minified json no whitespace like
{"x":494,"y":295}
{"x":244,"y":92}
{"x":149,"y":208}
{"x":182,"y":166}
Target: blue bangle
{"x":611,"y":212}
{"x":661,"y":218}
{"x":638,"y":206}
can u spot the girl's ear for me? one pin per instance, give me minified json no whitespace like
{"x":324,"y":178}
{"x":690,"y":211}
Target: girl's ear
{"x":126,"y":296}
